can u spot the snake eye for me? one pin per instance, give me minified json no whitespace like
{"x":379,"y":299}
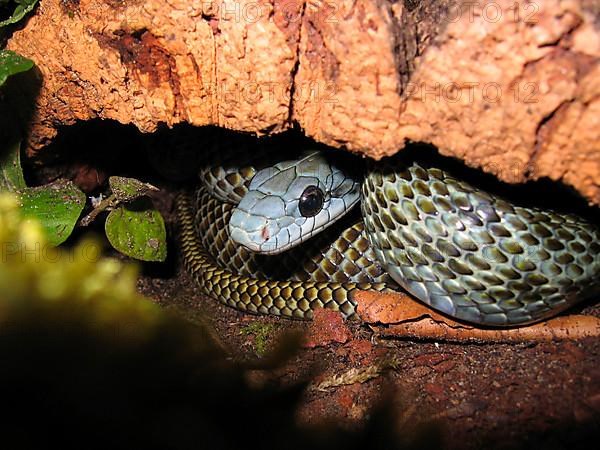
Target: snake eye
{"x":311,"y":201}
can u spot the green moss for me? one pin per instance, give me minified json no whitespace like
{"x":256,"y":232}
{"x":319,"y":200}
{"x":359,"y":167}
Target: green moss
{"x":262,"y":333}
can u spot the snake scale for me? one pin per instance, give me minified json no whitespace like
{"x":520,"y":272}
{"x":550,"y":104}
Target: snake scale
{"x":465,"y":252}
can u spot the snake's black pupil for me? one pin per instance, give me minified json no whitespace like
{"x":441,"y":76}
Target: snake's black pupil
{"x":311,"y":201}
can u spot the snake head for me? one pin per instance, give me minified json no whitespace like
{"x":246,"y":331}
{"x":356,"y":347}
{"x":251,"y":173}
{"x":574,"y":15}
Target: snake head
{"x":291,"y":201}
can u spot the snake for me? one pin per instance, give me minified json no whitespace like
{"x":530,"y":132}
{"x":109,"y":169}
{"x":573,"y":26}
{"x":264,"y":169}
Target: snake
{"x":287,"y":237}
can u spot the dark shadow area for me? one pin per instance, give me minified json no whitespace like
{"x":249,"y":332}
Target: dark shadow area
{"x":6,"y":11}
{"x":17,"y":105}
{"x":71,"y":382}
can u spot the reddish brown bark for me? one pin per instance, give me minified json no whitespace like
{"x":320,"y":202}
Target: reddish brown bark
{"x":511,"y":87}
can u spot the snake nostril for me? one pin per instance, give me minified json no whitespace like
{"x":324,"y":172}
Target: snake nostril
{"x":265,"y":233}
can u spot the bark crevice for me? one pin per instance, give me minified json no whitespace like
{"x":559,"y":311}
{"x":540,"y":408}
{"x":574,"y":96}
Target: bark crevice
{"x":296,"y":67}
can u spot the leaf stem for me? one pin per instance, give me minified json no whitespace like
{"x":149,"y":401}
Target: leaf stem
{"x":109,"y":202}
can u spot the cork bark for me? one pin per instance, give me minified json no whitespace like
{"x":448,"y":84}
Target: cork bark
{"x":510,"y":87}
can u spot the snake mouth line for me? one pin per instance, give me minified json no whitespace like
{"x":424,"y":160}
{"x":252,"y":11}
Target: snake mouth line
{"x":275,"y":248}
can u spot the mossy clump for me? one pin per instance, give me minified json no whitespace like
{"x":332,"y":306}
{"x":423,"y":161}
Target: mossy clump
{"x":262,"y":333}
{"x":35,"y":274}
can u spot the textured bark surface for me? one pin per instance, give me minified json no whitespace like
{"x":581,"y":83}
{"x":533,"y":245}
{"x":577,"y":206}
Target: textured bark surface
{"x":511,"y":87}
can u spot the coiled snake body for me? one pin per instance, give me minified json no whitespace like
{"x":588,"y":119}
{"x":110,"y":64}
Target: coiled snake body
{"x":463,"y":251}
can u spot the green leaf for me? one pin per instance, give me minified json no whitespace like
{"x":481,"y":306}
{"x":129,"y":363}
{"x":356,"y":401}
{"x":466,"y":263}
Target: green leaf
{"x":12,"y":63}
{"x":23,"y":7}
{"x":11,"y":175}
{"x":128,"y":189}
{"x":57,"y":206}
{"x":137,"y":230}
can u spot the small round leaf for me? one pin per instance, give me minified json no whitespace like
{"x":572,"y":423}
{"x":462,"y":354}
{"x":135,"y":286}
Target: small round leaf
{"x":137,"y":230}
